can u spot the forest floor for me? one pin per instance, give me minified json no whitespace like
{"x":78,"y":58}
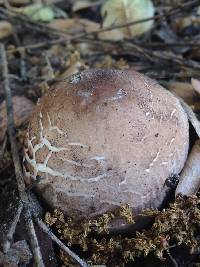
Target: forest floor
{"x":42,"y":42}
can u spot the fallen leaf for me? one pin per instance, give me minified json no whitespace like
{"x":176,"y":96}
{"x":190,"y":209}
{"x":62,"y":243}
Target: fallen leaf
{"x":5,"y":29}
{"x":183,"y":90}
{"x":41,"y":12}
{"x":38,"y":12}
{"x":23,"y":108}
{"x":83,"y":4}
{"x":74,"y":65}
{"x":187,"y":93}
{"x":114,"y":35}
{"x":75,"y":25}
{"x":17,"y":2}
{"x":185,"y":22}
{"x":196,"y":85}
{"x":116,"y":12}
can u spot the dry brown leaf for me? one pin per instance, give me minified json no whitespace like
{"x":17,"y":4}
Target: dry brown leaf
{"x":83,"y":4}
{"x":73,"y":26}
{"x":182,"y":23}
{"x":196,"y":85}
{"x":5,"y":29}
{"x":78,"y":25}
{"x":114,"y":35}
{"x":23,"y":108}
{"x":187,"y":93}
{"x":183,"y":90}
{"x":17,"y":2}
{"x":74,"y":65}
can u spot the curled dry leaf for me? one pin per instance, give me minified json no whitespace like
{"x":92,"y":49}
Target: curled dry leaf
{"x":187,"y":92}
{"x":74,"y":65}
{"x":83,"y":4}
{"x":22,"y":110}
{"x":182,"y":23}
{"x":196,"y":85}
{"x":116,"y":12}
{"x":183,"y":90}
{"x":190,"y":176}
{"x":5,"y":29}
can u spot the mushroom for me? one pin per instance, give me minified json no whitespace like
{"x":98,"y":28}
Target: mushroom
{"x":103,"y":139}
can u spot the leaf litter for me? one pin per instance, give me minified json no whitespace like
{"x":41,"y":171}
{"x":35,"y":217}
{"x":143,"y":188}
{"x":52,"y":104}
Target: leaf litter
{"x":61,"y":38}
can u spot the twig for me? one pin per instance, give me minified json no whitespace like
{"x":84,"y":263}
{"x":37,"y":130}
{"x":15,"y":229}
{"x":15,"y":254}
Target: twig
{"x":175,"y":264}
{"x":173,"y":44}
{"x":77,"y":37}
{"x":75,"y":257}
{"x":51,"y":74}
{"x":18,"y":171}
{"x":3,"y":147}
{"x":9,"y":238}
{"x":13,"y":16}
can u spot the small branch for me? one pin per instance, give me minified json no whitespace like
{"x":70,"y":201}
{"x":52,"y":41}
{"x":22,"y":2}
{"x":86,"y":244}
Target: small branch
{"x":38,"y":261}
{"x":15,"y":17}
{"x":175,"y":10}
{"x":18,"y":171}
{"x":75,"y":257}
{"x":9,"y":238}
{"x":2,"y":149}
{"x":51,"y":74}
{"x":173,"y":261}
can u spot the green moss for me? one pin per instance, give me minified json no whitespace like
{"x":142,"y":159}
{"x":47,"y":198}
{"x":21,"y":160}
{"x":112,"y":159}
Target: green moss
{"x":174,"y":226}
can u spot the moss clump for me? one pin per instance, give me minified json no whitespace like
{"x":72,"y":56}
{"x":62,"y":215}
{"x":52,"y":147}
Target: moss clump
{"x":174,"y":226}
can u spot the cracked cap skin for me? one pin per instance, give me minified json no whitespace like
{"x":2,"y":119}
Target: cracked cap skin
{"x":105,"y":138}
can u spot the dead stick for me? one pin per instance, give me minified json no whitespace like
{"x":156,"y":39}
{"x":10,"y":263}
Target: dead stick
{"x":75,"y":257}
{"x":173,"y":261}
{"x":9,"y":237}
{"x":173,"y":11}
{"x":2,"y":150}
{"x":18,"y":171}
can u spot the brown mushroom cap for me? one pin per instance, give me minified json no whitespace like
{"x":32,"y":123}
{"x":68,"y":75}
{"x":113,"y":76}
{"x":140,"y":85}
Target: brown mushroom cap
{"x":105,"y":138}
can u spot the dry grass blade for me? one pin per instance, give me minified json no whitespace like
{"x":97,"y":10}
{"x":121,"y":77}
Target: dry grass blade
{"x":18,"y":171}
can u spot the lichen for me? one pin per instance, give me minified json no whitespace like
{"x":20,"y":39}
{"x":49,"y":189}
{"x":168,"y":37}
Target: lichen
{"x":172,"y":227}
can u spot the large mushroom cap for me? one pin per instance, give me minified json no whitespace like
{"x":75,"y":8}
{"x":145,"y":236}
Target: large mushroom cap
{"x":105,"y":138}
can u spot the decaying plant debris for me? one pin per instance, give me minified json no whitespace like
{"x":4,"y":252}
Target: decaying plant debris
{"x":33,"y":56}
{"x":175,"y":226}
